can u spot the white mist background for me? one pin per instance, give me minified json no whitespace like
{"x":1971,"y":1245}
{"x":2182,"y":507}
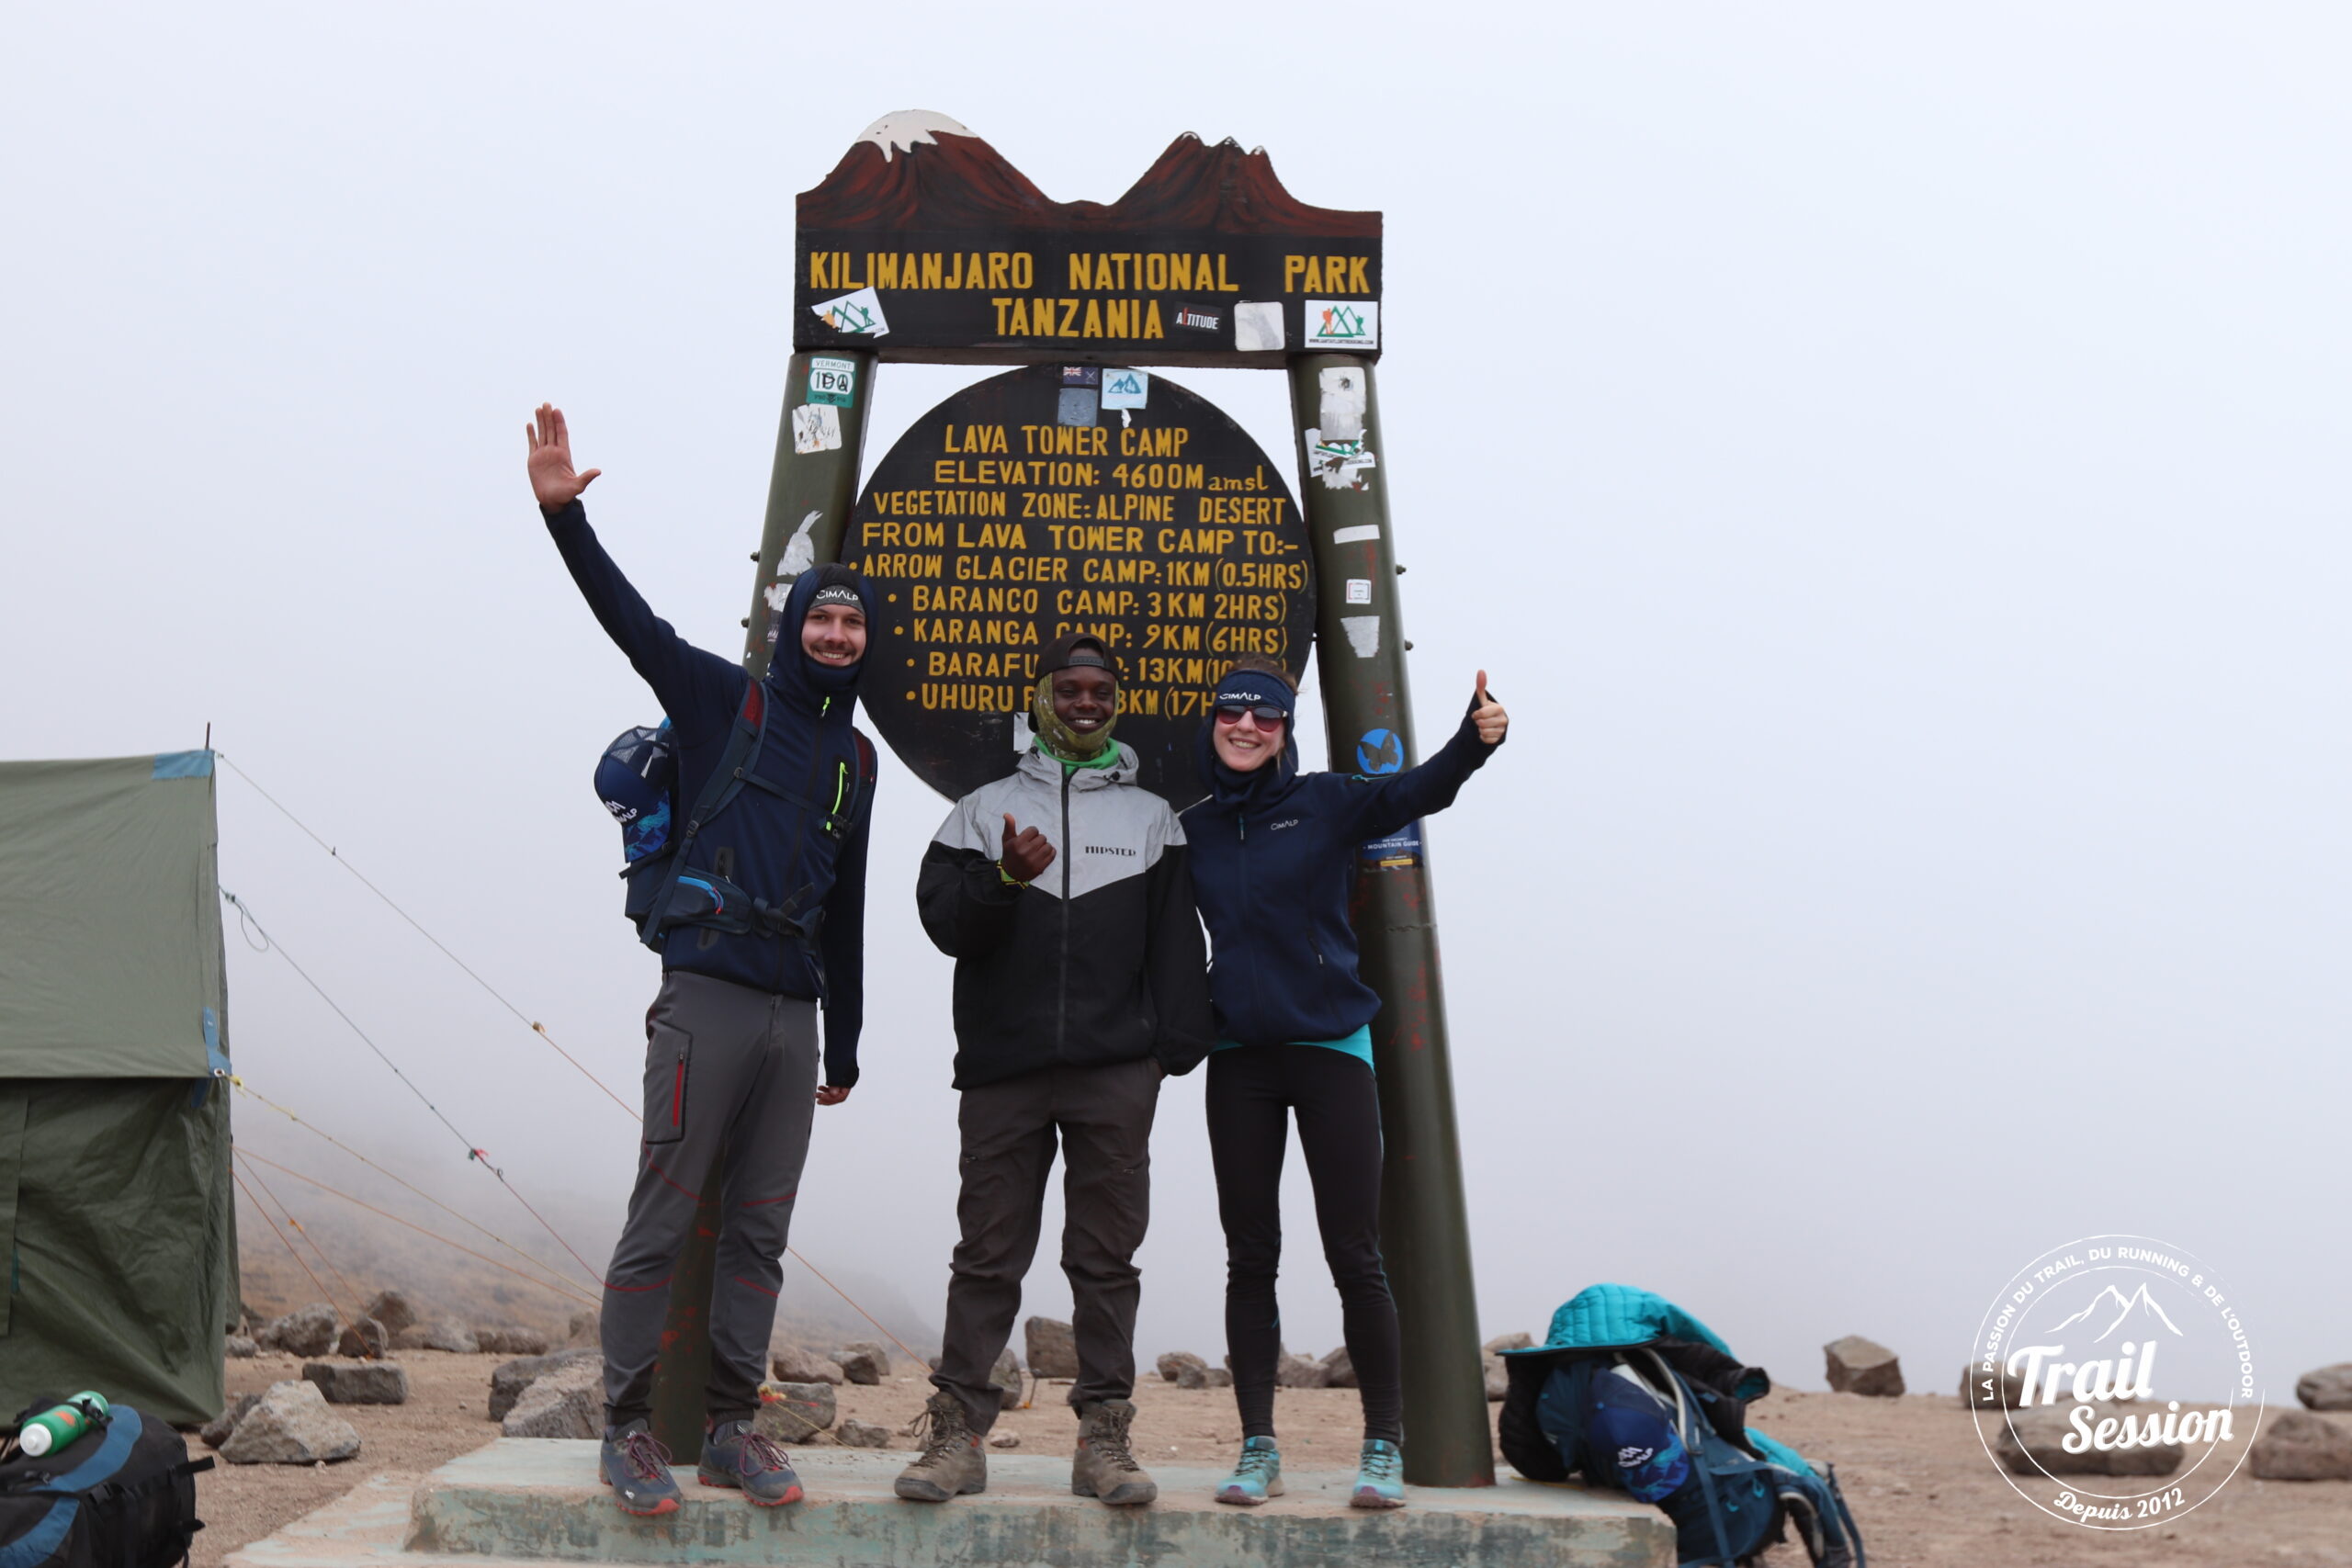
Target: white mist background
{"x":1891,"y":467}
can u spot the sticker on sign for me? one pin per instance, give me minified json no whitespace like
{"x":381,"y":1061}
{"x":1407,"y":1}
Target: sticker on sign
{"x":1343,"y":324}
{"x":816,"y":427}
{"x":858,"y":313}
{"x":1126,"y":388}
{"x":832,"y":380}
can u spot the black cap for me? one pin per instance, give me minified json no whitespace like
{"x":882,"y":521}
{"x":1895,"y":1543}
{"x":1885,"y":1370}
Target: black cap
{"x":1077,"y":650}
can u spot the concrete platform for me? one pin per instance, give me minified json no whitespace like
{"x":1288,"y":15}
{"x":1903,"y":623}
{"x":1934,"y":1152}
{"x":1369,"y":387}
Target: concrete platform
{"x":524,"y":1500}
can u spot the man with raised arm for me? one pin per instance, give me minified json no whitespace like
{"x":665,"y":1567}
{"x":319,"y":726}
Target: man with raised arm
{"x":1080,"y":981}
{"x":759,"y":916}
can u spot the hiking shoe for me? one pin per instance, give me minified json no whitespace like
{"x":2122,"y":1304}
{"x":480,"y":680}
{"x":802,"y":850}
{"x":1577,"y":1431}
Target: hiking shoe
{"x":637,"y":1469}
{"x":1106,"y":1464}
{"x":735,"y":1455}
{"x":1258,"y":1477}
{"x":1380,"y":1476}
{"x":952,"y":1462}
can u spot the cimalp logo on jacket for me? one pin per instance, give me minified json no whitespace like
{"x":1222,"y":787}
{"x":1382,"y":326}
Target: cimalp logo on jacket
{"x":2113,"y":1382}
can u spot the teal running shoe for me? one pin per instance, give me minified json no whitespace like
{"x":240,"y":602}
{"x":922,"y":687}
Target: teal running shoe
{"x":1258,"y":1477}
{"x":1380,"y":1476}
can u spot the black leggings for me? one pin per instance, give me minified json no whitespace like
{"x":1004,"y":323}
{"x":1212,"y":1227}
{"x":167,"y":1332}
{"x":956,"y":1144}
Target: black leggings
{"x":1252,"y":1091}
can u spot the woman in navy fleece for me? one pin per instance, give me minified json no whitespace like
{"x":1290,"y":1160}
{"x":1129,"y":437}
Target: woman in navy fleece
{"x":1274,"y":852}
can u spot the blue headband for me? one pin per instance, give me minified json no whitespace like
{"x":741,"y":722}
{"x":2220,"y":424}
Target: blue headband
{"x":1255,"y":687}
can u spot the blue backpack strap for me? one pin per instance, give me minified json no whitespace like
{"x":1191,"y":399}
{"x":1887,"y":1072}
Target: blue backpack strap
{"x":726,"y":781}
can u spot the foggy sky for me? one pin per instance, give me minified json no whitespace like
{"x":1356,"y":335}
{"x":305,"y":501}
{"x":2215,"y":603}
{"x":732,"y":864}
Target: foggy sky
{"x":1893,"y":469}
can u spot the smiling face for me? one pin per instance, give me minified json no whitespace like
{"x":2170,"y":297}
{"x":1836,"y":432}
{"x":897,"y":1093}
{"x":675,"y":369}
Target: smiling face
{"x":1085,"y":698}
{"x":1249,"y":743}
{"x":834,"y":635}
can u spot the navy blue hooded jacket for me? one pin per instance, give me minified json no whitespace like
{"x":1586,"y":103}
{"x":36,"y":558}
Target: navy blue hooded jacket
{"x":1274,"y":859}
{"x":769,"y":847}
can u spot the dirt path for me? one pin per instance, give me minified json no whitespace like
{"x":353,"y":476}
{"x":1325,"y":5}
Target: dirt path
{"x":1919,"y":1483}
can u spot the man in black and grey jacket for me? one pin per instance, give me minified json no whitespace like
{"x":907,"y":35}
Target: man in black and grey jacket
{"x":1062,"y":894}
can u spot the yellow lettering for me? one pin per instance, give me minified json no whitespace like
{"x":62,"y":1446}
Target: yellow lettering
{"x":1180,"y":272}
{"x":1223,"y":282}
{"x":1000,"y":270}
{"x":1081,"y":271}
{"x":1291,"y":267}
{"x":1357,"y":283}
{"x":820,"y":271}
{"x":886,"y":270}
{"x":1151,"y":327}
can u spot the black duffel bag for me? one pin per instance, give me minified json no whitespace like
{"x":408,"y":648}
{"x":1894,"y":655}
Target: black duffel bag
{"x":123,"y":1496}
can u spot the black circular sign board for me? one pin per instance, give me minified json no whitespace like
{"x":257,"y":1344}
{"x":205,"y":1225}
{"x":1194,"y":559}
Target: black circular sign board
{"x":1054,"y":499}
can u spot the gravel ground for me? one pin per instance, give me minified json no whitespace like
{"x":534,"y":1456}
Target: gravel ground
{"x":1919,"y":1480}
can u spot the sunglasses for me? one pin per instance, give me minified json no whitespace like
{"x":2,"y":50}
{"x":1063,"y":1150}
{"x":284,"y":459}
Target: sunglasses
{"x":1268,"y":716}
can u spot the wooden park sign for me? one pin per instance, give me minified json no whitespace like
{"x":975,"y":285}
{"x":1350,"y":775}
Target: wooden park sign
{"x":924,"y":245}
{"x":1084,"y":491}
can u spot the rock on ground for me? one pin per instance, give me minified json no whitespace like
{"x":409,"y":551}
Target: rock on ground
{"x":1497,"y":1379}
{"x":359,"y":1382}
{"x":305,"y":1331}
{"x":1175,"y":1362}
{"x":1006,"y":1376}
{"x":586,"y":1328}
{"x":1298,"y":1372}
{"x":391,"y":1309}
{"x":216,"y":1432}
{"x":864,"y":1363}
{"x":794,"y":1411}
{"x":2006,"y":1389}
{"x":2030,"y":1444}
{"x":1198,"y":1376}
{"x":1004,"y":1439}
{"x":859,"y":1435}
{"x":290,"y":1425}
{"x":1052,"y":1346}
{"x":365,"y":1340}
{"x":508,"y":1380}
{"x":237,"y":1348}
{"x":2329,"y":1388}
{"x":442,"y":1334}
{"x":1862,"y":1366}
{"x":566,"y":1403}
{"x":1502,"y":1342}
{"x":798,"y":1363}
{"x":1338,"y":1369}
{"x":510,"y":1341}
{"x":2297,"y":1445}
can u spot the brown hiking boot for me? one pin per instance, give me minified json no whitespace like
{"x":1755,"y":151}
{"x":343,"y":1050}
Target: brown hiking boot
{"x":1105,"y":1466}
{"x":952,"y":1462}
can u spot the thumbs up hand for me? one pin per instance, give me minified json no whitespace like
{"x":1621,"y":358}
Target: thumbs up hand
{"x":1493,"y":722}
{"x":1026,"y":855}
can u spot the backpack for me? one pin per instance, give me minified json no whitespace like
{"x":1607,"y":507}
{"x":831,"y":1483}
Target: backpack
{"x":636,"y":780}
{"x":121,"y":1496}
{"x":1663,"y":1419}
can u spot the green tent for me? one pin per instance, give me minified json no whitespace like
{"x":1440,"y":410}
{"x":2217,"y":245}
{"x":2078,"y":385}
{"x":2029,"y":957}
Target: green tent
{"x":115,"y":1193}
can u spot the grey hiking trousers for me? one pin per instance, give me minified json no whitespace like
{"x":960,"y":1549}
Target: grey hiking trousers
{"x":1101,"y":1119}
{"x":729,"y":1066}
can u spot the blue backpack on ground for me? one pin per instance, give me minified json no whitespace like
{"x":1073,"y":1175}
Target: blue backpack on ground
{"x":122,"y":1496}
{"x":1635,"y":1394}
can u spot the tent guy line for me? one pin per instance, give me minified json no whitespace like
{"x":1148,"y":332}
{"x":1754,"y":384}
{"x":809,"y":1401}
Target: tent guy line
{"x":239,"y":1084}
{"x":571,"y":1292}
{"x":337,"y":856}
{"x":296,"y":1226}
{"x":473,"y":1150}
{"x":246,"y":918}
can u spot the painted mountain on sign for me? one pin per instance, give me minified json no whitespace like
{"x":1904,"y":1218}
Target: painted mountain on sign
{"x":2113,"y":1308}
{"x":916,"y":170}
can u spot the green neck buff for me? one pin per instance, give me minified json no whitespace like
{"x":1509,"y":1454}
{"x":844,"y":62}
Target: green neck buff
{"x":1062,"y":743}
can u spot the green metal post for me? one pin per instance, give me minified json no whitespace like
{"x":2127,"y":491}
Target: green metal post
{"x":810,"y":495}
{"x":1424,"y":1220}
